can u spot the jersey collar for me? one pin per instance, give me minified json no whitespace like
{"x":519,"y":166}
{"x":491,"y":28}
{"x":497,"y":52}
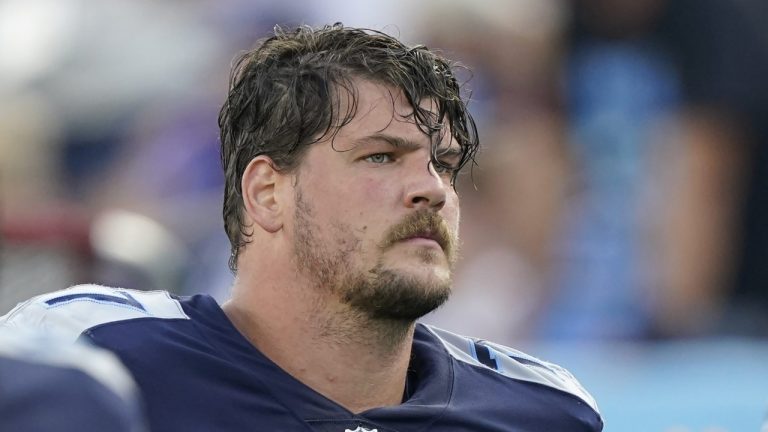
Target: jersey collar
{"x":430,"y":383}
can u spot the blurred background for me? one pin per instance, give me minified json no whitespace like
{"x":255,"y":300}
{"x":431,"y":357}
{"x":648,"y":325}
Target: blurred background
{"x":615,"y":223}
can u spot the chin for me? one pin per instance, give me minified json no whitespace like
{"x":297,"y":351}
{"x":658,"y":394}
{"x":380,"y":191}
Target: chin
{"x":428,"y":277}
{"x":421,"y":262}
{"x":397,"y":293}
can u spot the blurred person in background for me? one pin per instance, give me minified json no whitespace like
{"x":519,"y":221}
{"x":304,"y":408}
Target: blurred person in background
{"x":47,"y":385}
{"x":618,"y":88}
{"x":99,"y":125}
{"x":341,"y":148}
{"x":666,"y":101}
{"x":77,"y":97}
{"x":722,"y":50}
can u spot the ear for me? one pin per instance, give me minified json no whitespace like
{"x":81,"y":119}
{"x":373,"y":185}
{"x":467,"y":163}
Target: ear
{"x":259,"y":199}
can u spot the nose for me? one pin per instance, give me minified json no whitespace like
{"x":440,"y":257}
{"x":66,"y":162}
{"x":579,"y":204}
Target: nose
{"x":426,"y":189}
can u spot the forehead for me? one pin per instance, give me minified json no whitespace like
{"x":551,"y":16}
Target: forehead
{"x":380,"y":108}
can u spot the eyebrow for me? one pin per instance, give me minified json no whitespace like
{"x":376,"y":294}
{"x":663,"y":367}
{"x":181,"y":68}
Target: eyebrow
{"x":392,"y":140}
{"x":405,"y":144}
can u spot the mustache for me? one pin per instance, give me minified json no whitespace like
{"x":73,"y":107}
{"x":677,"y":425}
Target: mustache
{"x":423,"y":223}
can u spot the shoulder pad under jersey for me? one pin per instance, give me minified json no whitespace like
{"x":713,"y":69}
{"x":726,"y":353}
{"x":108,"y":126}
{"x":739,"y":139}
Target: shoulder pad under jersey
{"x":71,"y":311}
{"x":511,"y":363}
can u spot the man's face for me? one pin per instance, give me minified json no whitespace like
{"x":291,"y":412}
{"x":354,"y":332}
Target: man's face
{"x":376,"y":223}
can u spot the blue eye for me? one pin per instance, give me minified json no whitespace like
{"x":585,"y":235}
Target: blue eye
{"x":440,"y":169}
{"x":379,"y":158}
{"x":444,"y":168}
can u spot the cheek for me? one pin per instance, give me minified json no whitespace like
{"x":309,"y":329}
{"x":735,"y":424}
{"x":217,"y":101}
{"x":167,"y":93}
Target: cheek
{"x":356,"y":212}
{"x":347,"y":237}
{"x":370,"y":188}
{"x":452,"y":212}
{"x":371,"y":201}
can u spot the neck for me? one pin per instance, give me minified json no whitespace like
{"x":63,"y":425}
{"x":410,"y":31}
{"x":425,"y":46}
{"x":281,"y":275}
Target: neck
{"x":347,"y":357}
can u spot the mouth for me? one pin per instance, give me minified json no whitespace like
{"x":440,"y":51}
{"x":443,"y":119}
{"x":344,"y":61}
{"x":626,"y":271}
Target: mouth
{"x":427,"y":236}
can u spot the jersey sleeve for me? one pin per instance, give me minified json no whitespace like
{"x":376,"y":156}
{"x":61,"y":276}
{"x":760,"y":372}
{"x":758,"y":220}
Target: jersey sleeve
{"x":513,"y":364}
{"x":70,"y":312}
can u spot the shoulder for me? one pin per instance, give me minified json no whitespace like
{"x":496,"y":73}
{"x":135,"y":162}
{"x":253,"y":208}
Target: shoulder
{"x":510,"y":363}
{"x":74,"y":310}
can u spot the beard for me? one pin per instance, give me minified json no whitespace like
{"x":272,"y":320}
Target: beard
{"x":378,"y":293}
{"x":388,"y":295}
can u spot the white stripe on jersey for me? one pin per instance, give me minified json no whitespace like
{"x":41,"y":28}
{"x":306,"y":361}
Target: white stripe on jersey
{"x":70,"y":312}
{"x":514,"y":364}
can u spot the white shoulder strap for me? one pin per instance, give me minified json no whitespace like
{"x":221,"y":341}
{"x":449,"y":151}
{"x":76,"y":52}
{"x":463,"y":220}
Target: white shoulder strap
{"x":71,"y":311}
{"x":511,"y":363}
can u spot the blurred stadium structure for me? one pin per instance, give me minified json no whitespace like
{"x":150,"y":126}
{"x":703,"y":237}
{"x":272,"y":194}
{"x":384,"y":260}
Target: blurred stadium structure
{"x":620,"y":198}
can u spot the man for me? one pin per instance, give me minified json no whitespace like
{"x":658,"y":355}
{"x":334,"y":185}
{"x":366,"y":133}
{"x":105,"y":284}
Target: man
{"x":340,"y":148}
{"x":49,"y":386}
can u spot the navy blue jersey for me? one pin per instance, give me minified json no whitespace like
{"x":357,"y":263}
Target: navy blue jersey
{"x":198,"y":373}
{"x":48,"y":386}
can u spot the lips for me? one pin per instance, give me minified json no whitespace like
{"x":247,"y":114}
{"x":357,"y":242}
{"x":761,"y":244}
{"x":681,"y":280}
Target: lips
{"x":428,"y":235}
